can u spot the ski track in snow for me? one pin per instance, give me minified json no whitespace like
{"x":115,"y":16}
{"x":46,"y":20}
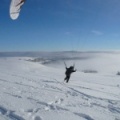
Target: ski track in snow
{"x":10,"y":114}
{"x":87,"y":117}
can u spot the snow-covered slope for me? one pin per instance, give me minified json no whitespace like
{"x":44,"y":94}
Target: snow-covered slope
{"x":34,"y":91}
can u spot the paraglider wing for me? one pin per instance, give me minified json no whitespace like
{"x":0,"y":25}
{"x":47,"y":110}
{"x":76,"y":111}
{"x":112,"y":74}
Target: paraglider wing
{"x":15,"y":8}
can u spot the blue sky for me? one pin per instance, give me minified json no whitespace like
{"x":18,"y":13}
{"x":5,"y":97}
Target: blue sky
{"x":56,"y":25}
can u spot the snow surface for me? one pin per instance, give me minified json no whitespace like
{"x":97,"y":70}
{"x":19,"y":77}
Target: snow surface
{"x":33,"y":89}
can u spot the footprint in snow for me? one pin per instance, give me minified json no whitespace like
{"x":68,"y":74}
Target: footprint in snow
{"x":59,"y":101}
{"x":37,"y":118}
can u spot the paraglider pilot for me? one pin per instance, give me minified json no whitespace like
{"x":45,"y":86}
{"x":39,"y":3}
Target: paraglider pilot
{"x":68,"y":73}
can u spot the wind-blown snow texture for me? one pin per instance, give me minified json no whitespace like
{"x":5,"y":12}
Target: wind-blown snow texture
{"x":33,"y":88}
